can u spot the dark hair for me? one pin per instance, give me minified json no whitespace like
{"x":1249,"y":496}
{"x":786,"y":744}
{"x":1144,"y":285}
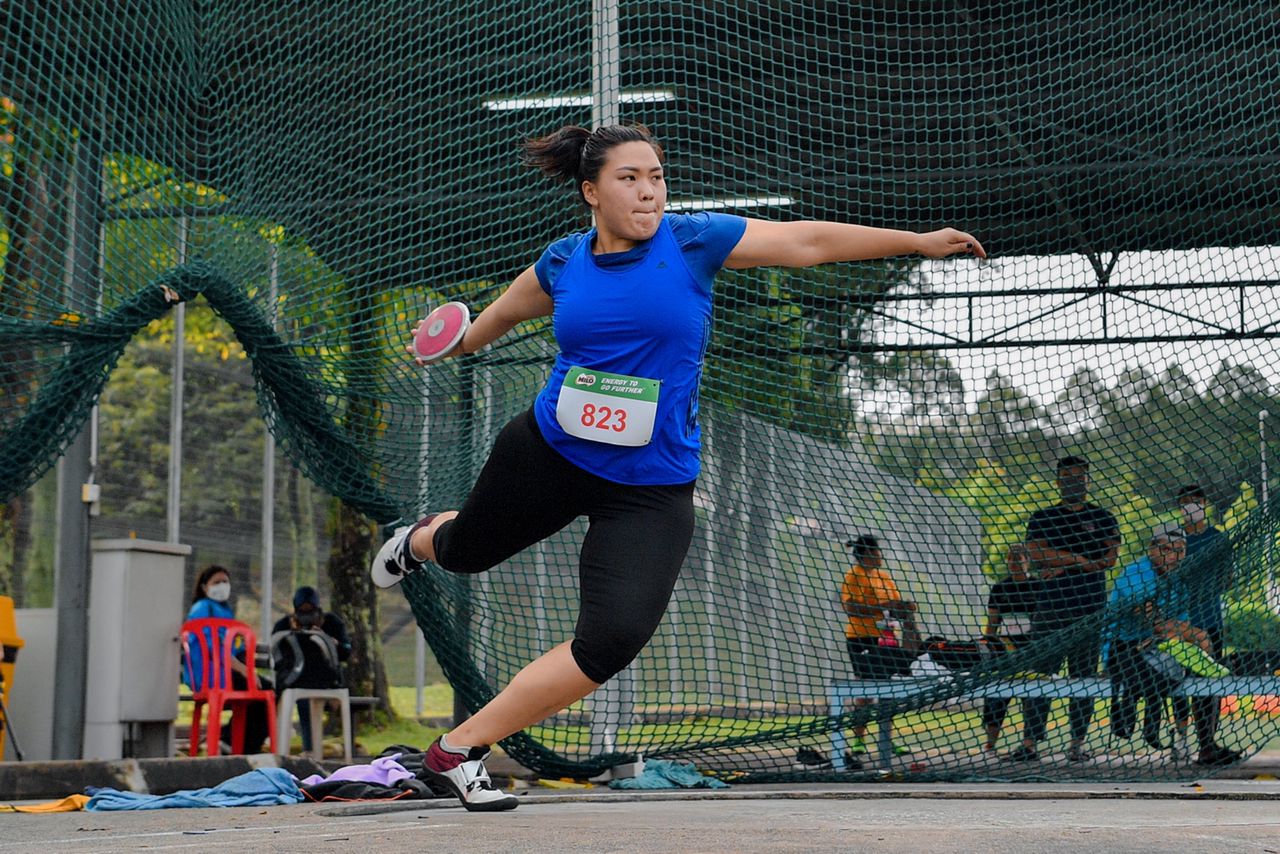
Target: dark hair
{"x":1072,"y":462}
{"x":205,"y":574}
{"x":1191,"y":490}
{"x":862,"y":545}
{"x":576,"y":154}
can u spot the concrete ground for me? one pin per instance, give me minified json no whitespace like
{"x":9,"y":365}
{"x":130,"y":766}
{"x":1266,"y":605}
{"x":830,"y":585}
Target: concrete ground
{"x":1237,"y":811}
{"x":1235,"y":816}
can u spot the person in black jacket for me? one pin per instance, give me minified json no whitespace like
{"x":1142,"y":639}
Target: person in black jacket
{"x":308,"y":648}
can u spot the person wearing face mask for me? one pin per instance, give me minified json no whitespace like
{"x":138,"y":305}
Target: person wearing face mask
{"x":211,"y":598}
{"x":1149,"y":601}
{"x":308,"y":648}
{"x":1210,"y":566}
{"x":1072,"y":546}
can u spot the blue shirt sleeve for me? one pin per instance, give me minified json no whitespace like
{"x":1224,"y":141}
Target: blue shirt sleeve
{"x":706,"y":239}
{"x":551,"y":263}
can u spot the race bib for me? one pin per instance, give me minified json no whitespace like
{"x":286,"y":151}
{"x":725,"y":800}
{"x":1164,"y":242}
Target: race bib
{"x":612,"y":408}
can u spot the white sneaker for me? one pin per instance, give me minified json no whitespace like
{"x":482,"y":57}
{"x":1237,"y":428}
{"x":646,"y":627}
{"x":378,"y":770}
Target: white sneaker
{"x":469,"y":780}
{"x":394,"y":561}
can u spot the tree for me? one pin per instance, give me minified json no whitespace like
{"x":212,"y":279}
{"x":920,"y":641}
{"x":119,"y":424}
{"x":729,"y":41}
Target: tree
{"x":786,"y":341}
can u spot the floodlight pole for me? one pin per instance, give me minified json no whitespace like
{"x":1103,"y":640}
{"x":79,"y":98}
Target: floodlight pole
{"x":173,"y":503}
{"x":269,"y":468}
{"x":604,"y":63}
{"x":1272,"y":594}
{"x":83,"y":284}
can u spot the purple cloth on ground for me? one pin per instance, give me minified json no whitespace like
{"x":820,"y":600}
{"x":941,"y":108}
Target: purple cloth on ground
{"x":384,"y":770}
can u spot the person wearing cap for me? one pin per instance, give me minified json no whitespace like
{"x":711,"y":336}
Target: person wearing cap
{"x":1209,"y":569}
{"x":869,"y":598}
{"x":1148,"y":604}
{"x":307,"y":621}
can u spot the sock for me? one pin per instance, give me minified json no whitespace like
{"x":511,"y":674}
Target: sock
{"x":442,"y":756}
{"x":408,"y":541}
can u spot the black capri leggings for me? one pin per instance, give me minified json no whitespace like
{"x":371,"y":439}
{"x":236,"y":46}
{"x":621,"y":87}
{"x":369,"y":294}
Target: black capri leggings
{"x":630,"y":558}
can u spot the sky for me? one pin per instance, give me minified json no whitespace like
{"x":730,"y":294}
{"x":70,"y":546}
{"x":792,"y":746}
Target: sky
{"x":1043,"y":371}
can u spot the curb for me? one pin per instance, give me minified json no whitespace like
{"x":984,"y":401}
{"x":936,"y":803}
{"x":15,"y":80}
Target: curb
{"x":26,"y":781}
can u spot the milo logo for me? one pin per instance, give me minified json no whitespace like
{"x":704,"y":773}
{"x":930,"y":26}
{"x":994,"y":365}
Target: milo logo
{"x":585,"y":379}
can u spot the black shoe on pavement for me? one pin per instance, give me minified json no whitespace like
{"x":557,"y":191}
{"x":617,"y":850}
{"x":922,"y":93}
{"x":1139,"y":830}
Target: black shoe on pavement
{"x":1217,"y":755}
{"x":810,"y":758}
{"x":1079,"y":754}
{"x":1022,"y":754}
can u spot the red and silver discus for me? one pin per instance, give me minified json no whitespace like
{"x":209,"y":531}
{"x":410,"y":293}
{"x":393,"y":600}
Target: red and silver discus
{"x":441,"y":331}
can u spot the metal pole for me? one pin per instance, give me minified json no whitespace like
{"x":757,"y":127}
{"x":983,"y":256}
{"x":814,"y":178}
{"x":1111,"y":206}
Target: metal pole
{"x":424,"y":496}
{"x":419,"y":668}
{"x":1272,"y":594}
{"x":1262,"y":455}
{"x":604,"y":63}
{"x":173,"y":506}
{"x":269,"y":471}
{"x":82,"y":279}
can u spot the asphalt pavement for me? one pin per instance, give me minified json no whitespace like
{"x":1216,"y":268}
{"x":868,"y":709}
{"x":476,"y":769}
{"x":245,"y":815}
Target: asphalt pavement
{"x":1227,"y":816}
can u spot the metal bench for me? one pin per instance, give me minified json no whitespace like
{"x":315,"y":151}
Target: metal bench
{"x":936,"y":690}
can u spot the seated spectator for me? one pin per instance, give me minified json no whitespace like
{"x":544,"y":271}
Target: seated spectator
{"x":308,"y":648}
{"x":874,"y":606}
{"x":211,"y":598}
{"x":1011,"y":601}
{"x":1149,"y":605}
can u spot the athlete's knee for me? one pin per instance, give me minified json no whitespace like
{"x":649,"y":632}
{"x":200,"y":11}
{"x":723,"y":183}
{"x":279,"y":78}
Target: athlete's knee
{"x":601,"y":655}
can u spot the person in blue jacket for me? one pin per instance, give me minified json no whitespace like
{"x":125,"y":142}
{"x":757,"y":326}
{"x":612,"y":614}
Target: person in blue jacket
{"x":1149,"y":602}
{"x":211,"y":597}
{"x":614,"y":433}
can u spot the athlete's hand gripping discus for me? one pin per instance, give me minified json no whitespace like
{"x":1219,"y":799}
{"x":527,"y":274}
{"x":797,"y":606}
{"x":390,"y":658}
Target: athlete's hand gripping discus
{"x":441,"y":331}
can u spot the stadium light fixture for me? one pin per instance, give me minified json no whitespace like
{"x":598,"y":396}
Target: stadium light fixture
{"x":546,"y":102}
{"x":732,"y":202}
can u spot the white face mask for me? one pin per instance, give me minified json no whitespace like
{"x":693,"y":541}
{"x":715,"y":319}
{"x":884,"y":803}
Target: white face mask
{"x":219,"y":592}
{"x":1193,"y":513}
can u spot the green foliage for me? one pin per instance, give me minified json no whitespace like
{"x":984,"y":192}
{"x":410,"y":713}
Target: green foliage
{"x":785,"y":341}
{"x":1251,"y":626}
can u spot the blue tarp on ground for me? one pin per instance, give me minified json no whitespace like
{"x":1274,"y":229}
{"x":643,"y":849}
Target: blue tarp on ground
{"x":665,"y":774}
{"x":257,"y":788}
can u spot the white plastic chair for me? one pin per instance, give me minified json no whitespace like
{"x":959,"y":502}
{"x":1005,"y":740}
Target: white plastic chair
{"x":316,"y":696}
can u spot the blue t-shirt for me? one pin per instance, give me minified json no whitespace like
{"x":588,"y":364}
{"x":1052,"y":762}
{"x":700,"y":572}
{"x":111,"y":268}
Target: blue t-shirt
{"x":201,"y":609}
{"x":1208,"y":567}
{"x":1137,"y":585}
{"x":642,"y":313}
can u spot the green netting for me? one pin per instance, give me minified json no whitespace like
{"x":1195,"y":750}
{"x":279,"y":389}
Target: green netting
{"x":323,"y":172}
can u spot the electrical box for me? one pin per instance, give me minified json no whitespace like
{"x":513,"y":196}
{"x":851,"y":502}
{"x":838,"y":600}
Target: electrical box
{"x":135,"y":616}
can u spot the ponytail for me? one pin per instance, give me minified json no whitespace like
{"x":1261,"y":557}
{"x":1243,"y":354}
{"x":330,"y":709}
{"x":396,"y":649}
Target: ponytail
{"x":558,"y":155}
{"x":576,"y":154}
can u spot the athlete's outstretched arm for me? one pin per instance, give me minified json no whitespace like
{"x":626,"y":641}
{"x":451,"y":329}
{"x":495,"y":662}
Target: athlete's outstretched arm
{"x":807,"y":243}
{"x":524,"y":299}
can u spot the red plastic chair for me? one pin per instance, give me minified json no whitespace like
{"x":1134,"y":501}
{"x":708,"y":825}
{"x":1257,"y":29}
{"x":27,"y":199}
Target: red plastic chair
{"x":214,"y":641}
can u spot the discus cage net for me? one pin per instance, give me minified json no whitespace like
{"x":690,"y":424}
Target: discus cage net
{"x":321,"y":173}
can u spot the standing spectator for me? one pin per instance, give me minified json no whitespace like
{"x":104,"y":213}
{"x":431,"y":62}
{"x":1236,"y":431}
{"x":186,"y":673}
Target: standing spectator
{"x":1210,"y":567}
{"x":308,"y":648}
{"x":870,"y":599}
{"x":1072,"y":546}
{"x":1009,"y":606}
{"x":211,"y":598}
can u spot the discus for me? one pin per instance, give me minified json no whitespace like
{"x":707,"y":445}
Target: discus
{"x":441,"y":331}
